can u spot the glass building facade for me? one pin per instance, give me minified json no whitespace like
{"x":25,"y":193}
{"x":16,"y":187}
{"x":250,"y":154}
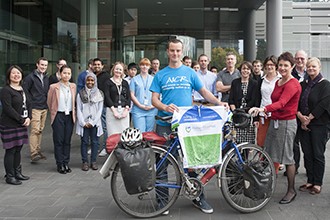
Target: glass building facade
{"x":78,"y":30}
{"x":125,"y":30}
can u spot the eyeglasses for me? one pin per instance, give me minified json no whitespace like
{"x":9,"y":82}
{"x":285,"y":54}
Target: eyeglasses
{"x":300,"y":58}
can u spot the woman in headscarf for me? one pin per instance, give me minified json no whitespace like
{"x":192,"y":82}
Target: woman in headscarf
{"x":89,"y":127}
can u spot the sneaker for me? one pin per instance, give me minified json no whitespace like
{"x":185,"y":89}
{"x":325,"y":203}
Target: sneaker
{"x":203,"y":205}
{"x":103,"y":153}
{"x":35,"y":158}
{"x":89,"y":152}
{"x":42,"y":156}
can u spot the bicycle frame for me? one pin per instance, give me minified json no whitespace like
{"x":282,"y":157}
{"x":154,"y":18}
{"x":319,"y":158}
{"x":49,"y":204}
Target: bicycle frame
{"x":170,"y":152}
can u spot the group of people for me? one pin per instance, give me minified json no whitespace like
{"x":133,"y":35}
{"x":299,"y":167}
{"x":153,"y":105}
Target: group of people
{"x":100,"y":104}
{"x":288,"y":96}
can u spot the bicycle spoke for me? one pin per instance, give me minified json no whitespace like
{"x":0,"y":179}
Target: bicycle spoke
{"x":232,"y":178}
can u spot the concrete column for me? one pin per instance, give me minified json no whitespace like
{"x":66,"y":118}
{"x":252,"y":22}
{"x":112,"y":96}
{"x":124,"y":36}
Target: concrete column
{"x":207,"y":48}
{"x":274,"y":27}
{"x":249,"y":37}
{"x":93,"y":35}
{"x":83,"y":35}
{"x":88,"y":31}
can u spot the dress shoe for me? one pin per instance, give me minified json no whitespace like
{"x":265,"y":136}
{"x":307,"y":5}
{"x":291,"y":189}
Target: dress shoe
{"x":315,"y":190}
{"x":94,"y":166}
{"x":19,"y":175}
{"x":61,"y":169}
{"x":287,"y":201}
{"x":85,"y":167}
{"x":305,"y":188}
{"x":67,"y":168}
{"x":13,"y":181}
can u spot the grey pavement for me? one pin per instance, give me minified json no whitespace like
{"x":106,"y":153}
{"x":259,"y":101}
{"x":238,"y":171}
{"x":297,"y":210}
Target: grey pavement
{"x":86,"y":195}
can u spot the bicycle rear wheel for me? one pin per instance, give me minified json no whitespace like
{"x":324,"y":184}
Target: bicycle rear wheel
{"x":232,"y":181}
{"x":159,"y":199}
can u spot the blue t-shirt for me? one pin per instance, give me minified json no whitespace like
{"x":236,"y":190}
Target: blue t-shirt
{"x":175,"y":85}
{"x":140,"y":88}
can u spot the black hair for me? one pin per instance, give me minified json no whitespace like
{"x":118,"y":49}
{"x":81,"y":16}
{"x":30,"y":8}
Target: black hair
{"x":131,"y":66}
{"x":97,"y":59}
{"x":9,"y":71}
{"x":63,"y":67}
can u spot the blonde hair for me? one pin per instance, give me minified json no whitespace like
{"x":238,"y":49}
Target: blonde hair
{"x":145,"y":61}
{"x":313,"y":59}
{"x":119,"y":63}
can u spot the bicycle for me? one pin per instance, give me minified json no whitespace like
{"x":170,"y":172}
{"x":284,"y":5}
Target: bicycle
{"x":240,"y":162}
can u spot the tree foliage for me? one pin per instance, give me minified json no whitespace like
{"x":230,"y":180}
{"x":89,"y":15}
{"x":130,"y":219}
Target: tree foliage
{"x":261,"y":49}
{"x":218,"y":57}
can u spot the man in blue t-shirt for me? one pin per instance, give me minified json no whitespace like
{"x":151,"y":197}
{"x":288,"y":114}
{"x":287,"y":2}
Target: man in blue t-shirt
{"x":172,"y":87}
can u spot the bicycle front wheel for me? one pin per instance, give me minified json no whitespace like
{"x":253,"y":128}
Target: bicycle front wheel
{"x":160,"y":198}
{"x":232,"y":178}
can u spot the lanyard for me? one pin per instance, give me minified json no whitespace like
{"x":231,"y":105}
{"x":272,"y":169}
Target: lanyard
{"x":119,"y":89}
{"x":24,"y":100}
{"x":145,"y":85}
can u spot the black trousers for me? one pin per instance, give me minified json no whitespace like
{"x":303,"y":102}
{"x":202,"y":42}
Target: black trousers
{"x":313,"y":144}
{"x":62,"y":133}
{"x":12,"y":159}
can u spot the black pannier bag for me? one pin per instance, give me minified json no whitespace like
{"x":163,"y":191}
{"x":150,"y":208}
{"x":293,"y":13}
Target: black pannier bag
{"x":137,"y":164}
{"x":257,"y":181}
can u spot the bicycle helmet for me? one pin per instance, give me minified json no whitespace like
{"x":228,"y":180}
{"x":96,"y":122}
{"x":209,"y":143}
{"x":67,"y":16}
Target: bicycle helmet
{"x":241,"y":119}
{"x":131,"y":136}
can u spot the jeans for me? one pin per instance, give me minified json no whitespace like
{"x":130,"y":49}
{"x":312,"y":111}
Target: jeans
{"x":62,"y":133}
{"x":37,"y":126}
{"x":89,"y":134}
{"x":143,"y":123}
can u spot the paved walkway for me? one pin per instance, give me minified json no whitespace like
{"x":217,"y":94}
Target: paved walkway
{"x":85,"y":195}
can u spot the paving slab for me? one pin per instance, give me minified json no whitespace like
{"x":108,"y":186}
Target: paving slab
{"x":49,"y":195}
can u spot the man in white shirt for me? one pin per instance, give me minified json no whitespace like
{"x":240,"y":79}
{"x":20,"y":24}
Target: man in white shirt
{"x":207,"y":77}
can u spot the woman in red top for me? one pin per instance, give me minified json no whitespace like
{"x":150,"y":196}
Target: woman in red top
{"x":283,"y":124}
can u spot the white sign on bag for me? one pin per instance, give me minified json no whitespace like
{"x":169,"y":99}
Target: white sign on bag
{"x":200,"y":134}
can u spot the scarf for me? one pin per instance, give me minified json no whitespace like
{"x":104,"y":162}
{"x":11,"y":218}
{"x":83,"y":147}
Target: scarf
{"x":305,"y":94}
{"x":92,"y":95}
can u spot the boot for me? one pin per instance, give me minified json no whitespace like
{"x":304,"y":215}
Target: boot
{"x":10,"y":178}
{"x":19,"y":175}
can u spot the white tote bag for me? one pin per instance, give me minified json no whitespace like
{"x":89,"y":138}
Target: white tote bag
{"x":200,"y":134}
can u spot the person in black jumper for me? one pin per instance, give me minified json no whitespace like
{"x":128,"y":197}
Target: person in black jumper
{"x":244,"y":95}
{"x":117,"y":99}
{"x":36,"y":86}
{"x":15,"y":118}
{"x":314,"y":115}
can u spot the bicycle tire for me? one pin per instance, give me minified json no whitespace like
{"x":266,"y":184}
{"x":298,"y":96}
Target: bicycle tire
{"x":232,"y":182}
{"x":152,"y":203}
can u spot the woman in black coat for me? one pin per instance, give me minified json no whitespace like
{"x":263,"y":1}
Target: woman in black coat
{"x":314,"y":115}
{"x":15,"y":118}
{"x":244,"y":94}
